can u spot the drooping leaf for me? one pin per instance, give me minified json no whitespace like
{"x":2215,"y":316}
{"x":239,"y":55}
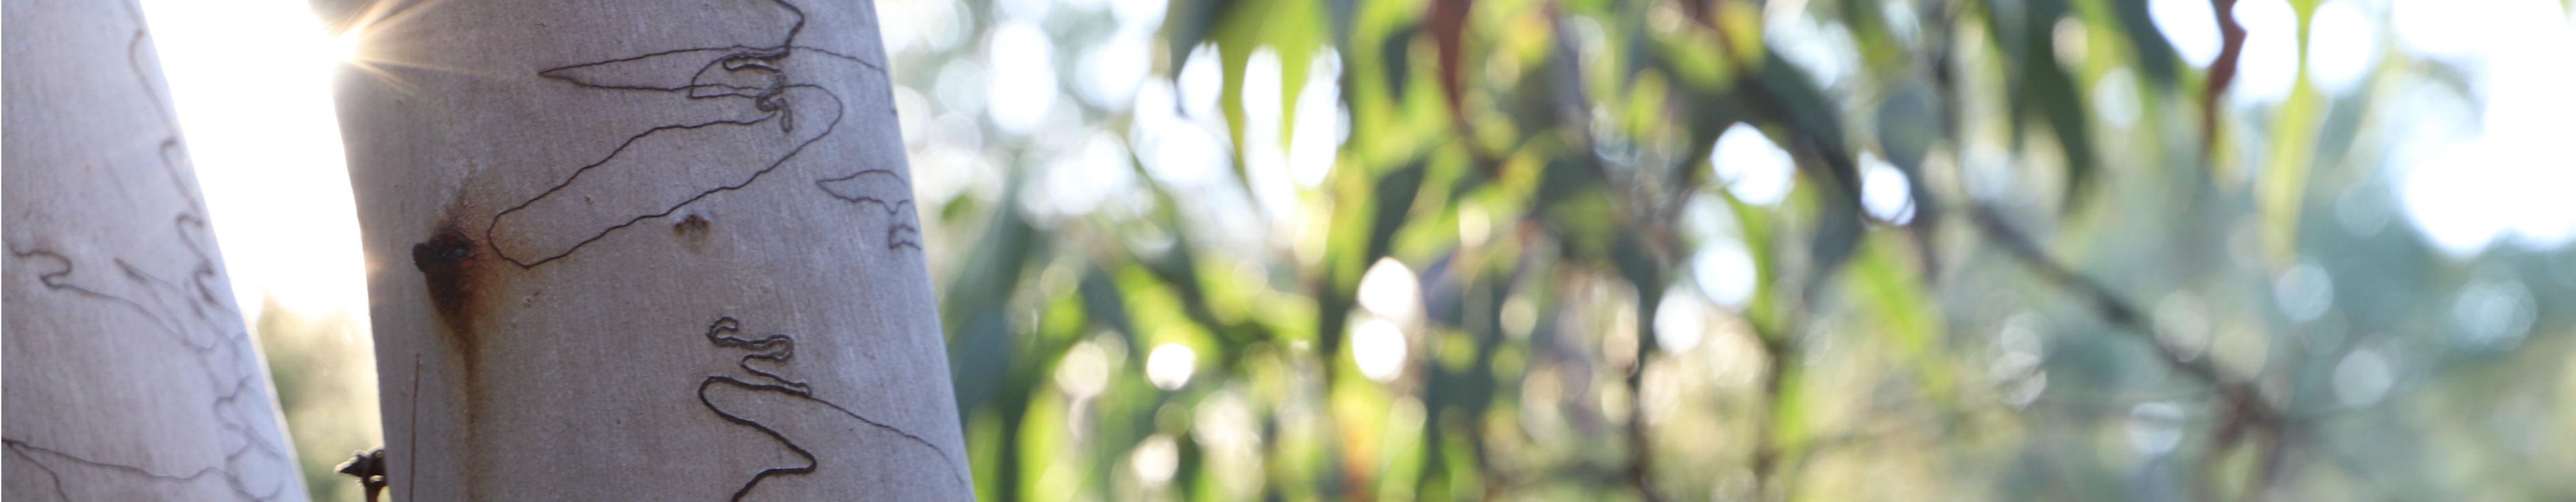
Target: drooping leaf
{"x":1446,"y":22}
{"x":2155,"y":56}
{"x":2025,"y":33}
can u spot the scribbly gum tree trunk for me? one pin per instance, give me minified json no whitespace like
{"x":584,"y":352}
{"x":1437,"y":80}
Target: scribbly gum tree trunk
{"x":129,"y":373}
{"x":628,"y":250}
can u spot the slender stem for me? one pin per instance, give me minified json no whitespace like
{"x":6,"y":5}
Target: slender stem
{"x":2240,"y":405}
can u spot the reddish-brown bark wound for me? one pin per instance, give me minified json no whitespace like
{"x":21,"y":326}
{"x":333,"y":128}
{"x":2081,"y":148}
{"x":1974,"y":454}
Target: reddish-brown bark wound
{"x":459,"y":274}
{"x":693,"y":229}
{"x":691,"y":225}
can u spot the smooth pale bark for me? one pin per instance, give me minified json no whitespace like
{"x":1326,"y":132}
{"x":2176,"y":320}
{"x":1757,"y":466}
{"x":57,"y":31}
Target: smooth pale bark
{"x":129,"y":372}
{"x":644,"y":250}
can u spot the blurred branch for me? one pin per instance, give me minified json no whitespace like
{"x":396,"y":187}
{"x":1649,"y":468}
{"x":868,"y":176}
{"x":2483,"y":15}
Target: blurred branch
{"x":1943,"y":424}
{"x":2240,"y":406}
{"x":1642,"y":252}
{"x":2221,"y":72}
{"x":1766,"y":449}
{"x":1507,"y":481}
{"x":2105,"y":302}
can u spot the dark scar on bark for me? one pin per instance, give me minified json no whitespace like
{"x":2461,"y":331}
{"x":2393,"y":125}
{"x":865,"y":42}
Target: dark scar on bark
{"x":456,"y":279}
{"x":444,"y":260}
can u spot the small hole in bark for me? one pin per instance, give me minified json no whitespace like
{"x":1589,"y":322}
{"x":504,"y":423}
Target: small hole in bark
{"x":692,"y":225}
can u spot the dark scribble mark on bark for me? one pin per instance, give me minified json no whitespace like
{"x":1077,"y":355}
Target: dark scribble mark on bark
{"x":181,"y":312}
{"x":22,"y":449}
{"x":778,"y":349}
{"x":890,"y":193}
{"x":187,"y":312}
{"x":134,"y":59}
{"x":184,"y":312}
{"x":601,"y":197}
{"x":501,"y":237}
{"x":190,"y":311}
{"x":61,"y":492}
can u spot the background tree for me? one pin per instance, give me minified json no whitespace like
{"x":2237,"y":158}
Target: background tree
{"x":130,"y":373}
{"x":1742,"y":250}
{"x":658,"y":250}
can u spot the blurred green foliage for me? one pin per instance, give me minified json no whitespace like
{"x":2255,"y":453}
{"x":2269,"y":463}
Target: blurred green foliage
{"x":2102,"y":279}
{"x":325,"y":373}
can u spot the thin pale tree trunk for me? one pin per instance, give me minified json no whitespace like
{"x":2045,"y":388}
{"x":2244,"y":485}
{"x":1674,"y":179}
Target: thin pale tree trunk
{"x":130,"y":374}
{"x":630,"y":250}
